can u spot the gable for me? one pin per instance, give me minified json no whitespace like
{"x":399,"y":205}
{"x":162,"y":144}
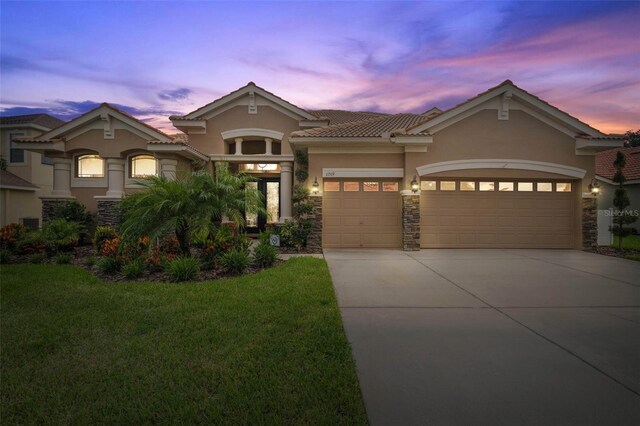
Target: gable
{"x":93,"y":140}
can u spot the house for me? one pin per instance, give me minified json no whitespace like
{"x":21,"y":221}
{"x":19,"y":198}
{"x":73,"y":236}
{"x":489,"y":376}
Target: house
{"x":28,"y":175}
{"x":504,"y":169}
{"x":604,"y":174}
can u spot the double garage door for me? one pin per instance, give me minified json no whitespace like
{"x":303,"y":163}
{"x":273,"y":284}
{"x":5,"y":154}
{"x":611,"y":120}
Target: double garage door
{"x":454,"y":213}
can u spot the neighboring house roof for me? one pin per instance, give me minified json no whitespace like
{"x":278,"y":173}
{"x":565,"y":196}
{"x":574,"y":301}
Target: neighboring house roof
{"x":10,"y":181}
{"x":605,"y":159}
{"x":250,"y":88}
{"x":44,"y":121}
{"x":372,"y":127}
{"x":338,"y":116}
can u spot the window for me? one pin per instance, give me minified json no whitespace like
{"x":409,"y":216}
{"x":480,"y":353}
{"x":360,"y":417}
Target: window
{"x":90,"y":166}
{"x":142,"y":166}
{"x":544,"y":186}
{"x":467,"y":186}
{"x":428,"y":185}
{"x":525,"y":186}
{"x":563,"y":187}
{"x":351,"y":186}
{"x":16,"y":155}
{"x":389,"y":186}
{"x":332,"y":186}
{"x":505,"y":186}
{"x":447,"y":185}
{"x":371,"y":186}
{"x":487,"y":186}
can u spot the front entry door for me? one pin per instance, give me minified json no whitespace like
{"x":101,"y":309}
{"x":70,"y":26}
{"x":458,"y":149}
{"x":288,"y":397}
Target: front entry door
{"x":270,"y":188}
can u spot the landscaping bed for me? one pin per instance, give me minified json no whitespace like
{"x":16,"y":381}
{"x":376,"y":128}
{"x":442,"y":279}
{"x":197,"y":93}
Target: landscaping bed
{"x":268,"y":348}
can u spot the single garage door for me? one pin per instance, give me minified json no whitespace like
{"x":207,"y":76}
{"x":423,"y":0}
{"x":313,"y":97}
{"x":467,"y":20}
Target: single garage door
{"x":361,"y":213}
{"x":485,"y":213}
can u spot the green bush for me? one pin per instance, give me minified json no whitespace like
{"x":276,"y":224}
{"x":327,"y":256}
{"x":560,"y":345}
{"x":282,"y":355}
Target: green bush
{"x":102,"y":234}
{"x":32,"y":242}
{"x":60,"y":235}
{"x":11,"y":234}
{"x":184,"y":268}
{"x":295,"y":233}
{"x":4,"y":256}
{"x":133,"y":269}
{"x":90,"y":261}
{"x":109,"y":265}
{"x":73,"y":211}
{"x":36,"y":258}
{"x":63,"y":258}
{"x":265,"y":255}
{"x":235,"y":261}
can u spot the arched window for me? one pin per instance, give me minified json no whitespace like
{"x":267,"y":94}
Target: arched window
{"x":142,"y":166}
{"x":90,"y":166}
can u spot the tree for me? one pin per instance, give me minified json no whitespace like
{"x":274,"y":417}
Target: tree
{"x":189,"y":206}
{"x":632,"y":138}
{"x":621,"y":201}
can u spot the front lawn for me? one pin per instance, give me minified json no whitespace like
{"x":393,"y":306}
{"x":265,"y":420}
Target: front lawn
{"x":631,"y":242}
{"x":261,"y":349}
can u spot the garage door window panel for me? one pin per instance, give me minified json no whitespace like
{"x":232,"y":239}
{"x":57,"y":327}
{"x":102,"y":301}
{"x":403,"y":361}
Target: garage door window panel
{"x":487,"y":186}
{"x":467,"y":186}
{"x":389,"y":186}
{"x":351,"y":186}
{"x":505,"y":186}
{"x":331,"y":186}
{"x":428,"y":185}
{"x":563,"y":187}
{"x":447,"y":185}
{"x":544,"y":187}
{"x":370,"y":186}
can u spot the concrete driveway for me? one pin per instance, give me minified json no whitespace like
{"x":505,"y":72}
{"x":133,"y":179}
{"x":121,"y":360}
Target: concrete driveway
{"x":445,"y":337}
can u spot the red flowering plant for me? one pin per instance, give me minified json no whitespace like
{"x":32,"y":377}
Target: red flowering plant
{"x":209,"y":255}
{"x":136,"y":248}
{"x":164,"y":251}
{"x":11,"y":234}
{"x":110,"y":246}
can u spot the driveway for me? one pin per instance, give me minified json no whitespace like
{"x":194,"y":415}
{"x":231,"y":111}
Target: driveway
{"x":446,"y":337}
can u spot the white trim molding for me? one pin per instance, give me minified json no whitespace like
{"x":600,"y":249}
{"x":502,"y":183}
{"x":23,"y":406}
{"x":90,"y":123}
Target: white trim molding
{"x":538,"y":166}
{"x":241,"y":133}
{"x":251,"y":158}
{"x":362,"y":173}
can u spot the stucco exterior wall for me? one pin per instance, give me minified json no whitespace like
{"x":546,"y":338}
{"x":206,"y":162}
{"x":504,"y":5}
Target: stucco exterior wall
{"x":16,"y":205}
{"x":319,"y":161}
{"x":93,"y":140}
{"x":238,"y":117}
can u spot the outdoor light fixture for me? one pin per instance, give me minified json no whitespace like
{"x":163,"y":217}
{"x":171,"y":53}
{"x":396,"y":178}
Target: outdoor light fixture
{"x":316,"y":186}
{"x":594,"y":187}
{"x":414,"y":184}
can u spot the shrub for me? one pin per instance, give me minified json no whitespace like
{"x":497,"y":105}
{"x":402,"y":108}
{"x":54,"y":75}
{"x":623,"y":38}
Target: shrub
{"x":11,"y":234}
{"x":134,"y":248}
{"x":36,"y":258}
{"x":169,"y":245}
{"x":183,"y":268}
{"x":109,"y":265}
{"x":4,"y":256}
{"x":73,"y":211}
{"x":295,"y":233}
{"x":110,"y":247}
{"x":235,"y":261}
{"x":60,"y":235}
{"x":265,"y":255}
{"x":63,"y":258}
{"x":102,"y":234}
{"x":90,"y":261}
{"x":133,"y":269}
{"x":33,"y":242}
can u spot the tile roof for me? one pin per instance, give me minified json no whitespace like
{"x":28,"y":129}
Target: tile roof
{"x":372,"y":127}
{"x":338,"y":116}
{"x":8,"y":179}
{"x":44,"y":120}
{"x":604,"y":163}
{"x":178,"y":139}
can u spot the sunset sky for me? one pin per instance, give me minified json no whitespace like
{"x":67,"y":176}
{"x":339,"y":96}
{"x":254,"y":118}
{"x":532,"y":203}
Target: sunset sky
{"x":155,"y":59}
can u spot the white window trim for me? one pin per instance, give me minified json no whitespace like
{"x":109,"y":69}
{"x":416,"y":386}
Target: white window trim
{"x":88,"y":182}
{"x":130,"y":182}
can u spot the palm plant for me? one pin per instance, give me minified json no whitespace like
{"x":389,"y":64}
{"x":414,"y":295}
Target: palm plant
{"x":188,"y":206}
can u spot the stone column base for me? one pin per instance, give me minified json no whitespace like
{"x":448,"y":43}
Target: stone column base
{"x":410,"y":222}
{"x":109,"y":213}
{"x":315,"y":238}
{"x":589,"y":223}
{"x":50,"y":204}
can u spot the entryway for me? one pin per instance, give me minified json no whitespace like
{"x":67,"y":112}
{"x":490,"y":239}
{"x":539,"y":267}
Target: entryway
{"x":270,"y":189}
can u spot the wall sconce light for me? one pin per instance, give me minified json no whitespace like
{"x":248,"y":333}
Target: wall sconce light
{"x":414,"y":184}
{"x":316,"y":186}
{"x":594,"y":187}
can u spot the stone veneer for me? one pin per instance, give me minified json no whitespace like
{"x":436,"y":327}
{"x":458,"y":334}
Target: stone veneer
{"x":315,"y":238}
{"x":411,"y":222}
{"x":108,"y":212}
{"x":49,"y":206}
{"x":589,"y":223}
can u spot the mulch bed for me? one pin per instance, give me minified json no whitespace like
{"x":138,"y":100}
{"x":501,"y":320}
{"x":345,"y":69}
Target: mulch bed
{"x":303,"y":250}
{"x":80,"y":254}
{"x":611,"y":251}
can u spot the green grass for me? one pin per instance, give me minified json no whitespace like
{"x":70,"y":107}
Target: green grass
{"x":266,"y":348}
{"x":631,"y":242}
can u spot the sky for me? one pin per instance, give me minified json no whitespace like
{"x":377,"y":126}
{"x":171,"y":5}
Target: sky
{"x":158,"y":58}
